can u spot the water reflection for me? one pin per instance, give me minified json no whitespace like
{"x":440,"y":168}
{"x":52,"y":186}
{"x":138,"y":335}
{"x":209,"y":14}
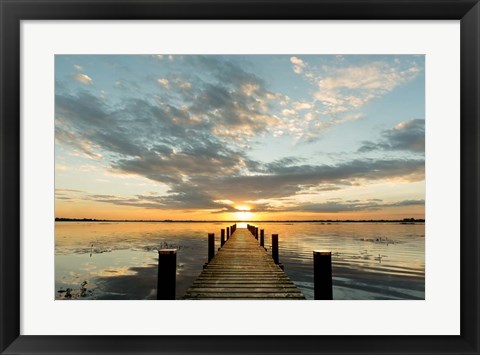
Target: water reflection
{"x":119,"y":260}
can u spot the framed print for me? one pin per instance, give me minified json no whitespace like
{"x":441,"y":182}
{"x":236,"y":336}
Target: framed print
{"x":238,"y":177}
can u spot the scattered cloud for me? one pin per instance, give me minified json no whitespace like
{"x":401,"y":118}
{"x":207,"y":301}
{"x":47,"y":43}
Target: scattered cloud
{"x":163,"y":144}
{"x":348,"y":88}
{"x":339,"y":93}
{"x":83,"y":78}
{"x":298,"y":106}
{"x":352,"y":206}
{"x":185,"y":86}
{"x":195,"y":138}
{"x":126,"y":85}
{"x":273,"y":181}
{"x":407,"y":136}
{"x":164,"y":82}
{"x":298,"y":65}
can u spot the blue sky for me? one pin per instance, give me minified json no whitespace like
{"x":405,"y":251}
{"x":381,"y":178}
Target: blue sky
{"x":285,"y":136}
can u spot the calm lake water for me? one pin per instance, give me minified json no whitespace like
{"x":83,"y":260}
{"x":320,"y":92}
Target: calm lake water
{"x":118,"y":260}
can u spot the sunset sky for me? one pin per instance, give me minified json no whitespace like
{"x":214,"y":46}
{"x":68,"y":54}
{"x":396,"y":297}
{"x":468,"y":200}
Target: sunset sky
{"x":260,"y":137}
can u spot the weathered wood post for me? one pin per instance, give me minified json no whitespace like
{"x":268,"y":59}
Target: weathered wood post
{"x":322,"y":275}
{"x":211,"y":246}
{"x":275,"y":248}
{"x":167,"y":273}
{"x":262,"y":238}
{"x":222,"y":237}
{"x":256,"y":233}
{"x":228,"y":232}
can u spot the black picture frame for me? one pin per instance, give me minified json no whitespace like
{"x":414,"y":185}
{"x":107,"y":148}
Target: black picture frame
{"x":14,"y":11}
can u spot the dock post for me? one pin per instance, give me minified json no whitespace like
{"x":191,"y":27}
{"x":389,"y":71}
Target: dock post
{"x":167,"y":273}
{"x":322,"y":275}
{"x":222,"y":238}
{"x":211,"y":246}
{"x":262,"y":238}
{"x":228,"y":232}
{"x":275,"y":248}
{"x":256,"y":233}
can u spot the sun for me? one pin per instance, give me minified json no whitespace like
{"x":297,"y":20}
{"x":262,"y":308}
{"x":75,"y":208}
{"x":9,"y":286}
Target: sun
{"x":243,"y":213}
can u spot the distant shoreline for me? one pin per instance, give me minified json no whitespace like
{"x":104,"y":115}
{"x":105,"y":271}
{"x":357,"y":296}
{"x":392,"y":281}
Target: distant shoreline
{"x":403,"y":221}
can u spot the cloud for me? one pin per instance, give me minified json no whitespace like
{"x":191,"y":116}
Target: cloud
{"x":302,"y":106}
{"x":298,"y":64}
{"x":288,"y":112}
{"x":195,"y":140}
{"x":236,"y":114}
{"x":201,"y":201}
{"x":68,"y":195}
{"x":77,"y":67}
{"x":127,"y":85}
{"x":83,"y":78}
{"x":85,"y":122}
{"x":339,"y":93}
{"x":185,"y":86}
{"x":351,"y":87}
{"x":63,"y":191}
{"x":275,"y":181}
{"x":195,"y":200}
{"x":406,"y":136}
{"x":164,"y":82}
{"x":352,"y":206}
{"x":164,"y":144}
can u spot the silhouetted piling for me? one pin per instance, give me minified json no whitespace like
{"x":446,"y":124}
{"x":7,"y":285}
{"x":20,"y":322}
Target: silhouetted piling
{"x":322,"y":275}
{"x":211,"y":246}
{"x":256,"y":233}
{"x":167,"y":272}
{"x":222,"y":238}
{"x":275,"y":248}
{"x":228,"y":232}
{"x":262,"y":238}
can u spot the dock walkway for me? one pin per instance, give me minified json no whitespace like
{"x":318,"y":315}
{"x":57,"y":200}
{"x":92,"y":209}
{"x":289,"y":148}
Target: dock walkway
{"x":242,"y":269}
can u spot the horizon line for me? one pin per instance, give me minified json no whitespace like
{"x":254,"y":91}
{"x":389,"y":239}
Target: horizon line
{"x":63,"y":219}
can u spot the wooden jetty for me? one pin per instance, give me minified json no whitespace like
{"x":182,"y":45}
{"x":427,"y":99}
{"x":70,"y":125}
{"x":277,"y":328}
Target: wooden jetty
{"x":242,"y":269}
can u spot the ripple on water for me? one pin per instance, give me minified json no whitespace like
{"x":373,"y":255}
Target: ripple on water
{"x":122,"y":262}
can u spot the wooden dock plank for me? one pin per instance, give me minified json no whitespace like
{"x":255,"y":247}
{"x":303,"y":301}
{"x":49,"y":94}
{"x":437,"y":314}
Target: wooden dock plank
{"x":243,"y":270}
